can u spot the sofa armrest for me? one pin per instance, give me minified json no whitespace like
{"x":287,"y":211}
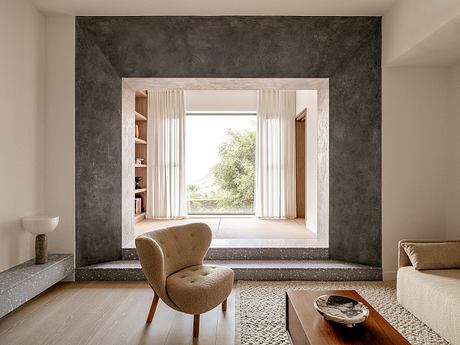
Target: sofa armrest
{"x":403,"y":259}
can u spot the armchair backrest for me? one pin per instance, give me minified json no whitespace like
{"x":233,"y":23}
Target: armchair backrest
{"x":166,"y":251}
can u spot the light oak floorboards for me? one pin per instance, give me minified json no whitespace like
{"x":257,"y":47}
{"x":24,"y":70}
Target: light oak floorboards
{"x":237,"y":228}
{"x":110,"y":313}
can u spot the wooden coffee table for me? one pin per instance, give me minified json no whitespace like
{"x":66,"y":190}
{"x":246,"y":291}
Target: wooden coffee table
{"x":307,"y":327}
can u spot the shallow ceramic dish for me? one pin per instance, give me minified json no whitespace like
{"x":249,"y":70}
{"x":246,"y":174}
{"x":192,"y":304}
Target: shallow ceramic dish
{"x":341,"y":309}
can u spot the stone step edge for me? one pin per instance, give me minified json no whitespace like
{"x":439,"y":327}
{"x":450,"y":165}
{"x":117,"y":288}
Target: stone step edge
{"x":253,"y":253}
{"x":245,"y":270}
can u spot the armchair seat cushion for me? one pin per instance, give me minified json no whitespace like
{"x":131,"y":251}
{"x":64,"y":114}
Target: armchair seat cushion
{"x":200,"y":288}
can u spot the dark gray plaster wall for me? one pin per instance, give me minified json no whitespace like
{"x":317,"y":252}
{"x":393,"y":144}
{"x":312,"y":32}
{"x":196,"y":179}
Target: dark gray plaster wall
{"x":355,"y":157}
{"x":97,"y":154}
{"x":228,"y":46}
{"x":344,"y":49}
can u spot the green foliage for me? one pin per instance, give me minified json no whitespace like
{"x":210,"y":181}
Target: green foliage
{"x":198,"y":202}
{"x":235,"y":173}
{"x":194,"y":191}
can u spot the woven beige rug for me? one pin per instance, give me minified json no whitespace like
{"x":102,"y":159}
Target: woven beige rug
{"x":260,"y":310}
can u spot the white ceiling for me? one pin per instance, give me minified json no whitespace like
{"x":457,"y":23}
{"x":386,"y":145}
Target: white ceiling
{"x":215,"y":7}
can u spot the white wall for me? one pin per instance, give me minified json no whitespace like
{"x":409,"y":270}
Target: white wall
{"x":22,"y":56}
{"x":453,"y":196}
{"x":60,"y":130}
{"x":414,"y":155}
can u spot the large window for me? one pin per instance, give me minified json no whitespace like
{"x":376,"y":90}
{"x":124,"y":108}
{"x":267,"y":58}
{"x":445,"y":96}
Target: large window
{"x":220,"y":163}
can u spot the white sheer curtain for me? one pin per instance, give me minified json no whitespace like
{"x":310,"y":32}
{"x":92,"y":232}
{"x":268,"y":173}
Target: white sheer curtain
{"x":166,"y":154}
{"x":275,"y":154}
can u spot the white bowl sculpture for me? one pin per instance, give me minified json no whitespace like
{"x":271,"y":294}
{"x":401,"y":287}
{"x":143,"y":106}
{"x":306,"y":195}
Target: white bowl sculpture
{"x":40,"y":224}
{"x":341,"y":309}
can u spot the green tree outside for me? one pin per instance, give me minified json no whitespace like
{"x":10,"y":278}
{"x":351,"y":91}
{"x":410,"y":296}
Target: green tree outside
{"x":235,"y":173}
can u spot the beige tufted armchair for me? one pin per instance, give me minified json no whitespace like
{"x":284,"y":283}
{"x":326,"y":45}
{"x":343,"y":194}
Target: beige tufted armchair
{"x":172,"y":261}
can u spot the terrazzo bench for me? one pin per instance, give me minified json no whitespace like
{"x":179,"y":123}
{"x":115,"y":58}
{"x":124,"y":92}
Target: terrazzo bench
{"x":21,"y":283}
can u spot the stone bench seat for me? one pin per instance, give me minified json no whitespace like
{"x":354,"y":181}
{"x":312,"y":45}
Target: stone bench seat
{"x":21,"y":283}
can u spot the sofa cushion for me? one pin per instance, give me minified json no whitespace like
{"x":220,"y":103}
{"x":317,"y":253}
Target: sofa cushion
{"x":199,"y":288}
{"x":433,"y":296}
{"x":427,"y":256}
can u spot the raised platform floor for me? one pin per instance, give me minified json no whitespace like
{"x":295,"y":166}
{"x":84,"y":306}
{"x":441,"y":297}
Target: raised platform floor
{"x":126,"y":270}
{"x":237,"y":227}
{"x":255,"y":249}
{"x":253,"y":253}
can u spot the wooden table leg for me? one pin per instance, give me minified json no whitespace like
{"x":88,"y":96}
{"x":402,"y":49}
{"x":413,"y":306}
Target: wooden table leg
{"x":224,"y":305}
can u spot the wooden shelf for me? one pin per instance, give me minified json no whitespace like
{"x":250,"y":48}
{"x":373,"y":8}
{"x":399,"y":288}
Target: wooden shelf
{"x":138,"y":217}
{"x":141,"y":93}
{"x":140,"y":117}
{"x":141,"y":122}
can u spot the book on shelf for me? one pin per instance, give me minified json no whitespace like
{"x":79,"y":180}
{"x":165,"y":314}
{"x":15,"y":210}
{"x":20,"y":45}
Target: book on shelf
{"x":138,"y":205}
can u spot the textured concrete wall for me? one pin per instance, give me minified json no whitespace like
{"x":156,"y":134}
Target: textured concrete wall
{"x":344,"y":49}
{"x":355,"y":222}
{"x":98,"y":154}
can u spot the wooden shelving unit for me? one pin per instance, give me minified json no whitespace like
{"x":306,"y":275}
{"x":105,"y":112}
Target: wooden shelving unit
{"x":140,"y":141}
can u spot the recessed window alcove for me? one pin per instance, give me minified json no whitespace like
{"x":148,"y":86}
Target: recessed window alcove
{"x":234,"y":230}
{"x":342,"y":54}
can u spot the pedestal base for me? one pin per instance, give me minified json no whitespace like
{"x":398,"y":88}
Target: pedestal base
{"x":41,"y":249}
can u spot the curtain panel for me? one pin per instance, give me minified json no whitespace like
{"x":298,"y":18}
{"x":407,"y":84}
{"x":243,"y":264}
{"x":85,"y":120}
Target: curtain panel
{"x":275,"y":155}
{"x":166,"y":154}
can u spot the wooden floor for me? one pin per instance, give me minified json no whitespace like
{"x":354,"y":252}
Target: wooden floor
{"x":110,"y":313}
{"x":237,"y":228}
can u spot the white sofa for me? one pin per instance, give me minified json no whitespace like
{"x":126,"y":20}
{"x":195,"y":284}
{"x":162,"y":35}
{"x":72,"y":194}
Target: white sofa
{"x":433,"y":296}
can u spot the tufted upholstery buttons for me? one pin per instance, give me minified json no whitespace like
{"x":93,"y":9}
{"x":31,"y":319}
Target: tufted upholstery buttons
{"x":204,"y":288}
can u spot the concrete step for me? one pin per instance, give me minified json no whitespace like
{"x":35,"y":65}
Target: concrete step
{"x":246,"y":270}
{"x":253,"y":253}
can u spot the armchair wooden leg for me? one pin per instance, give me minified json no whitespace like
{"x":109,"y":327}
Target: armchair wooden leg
{"x":153,"y":307}
{"x":196,"y":325}
{"x":224,"y":305}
